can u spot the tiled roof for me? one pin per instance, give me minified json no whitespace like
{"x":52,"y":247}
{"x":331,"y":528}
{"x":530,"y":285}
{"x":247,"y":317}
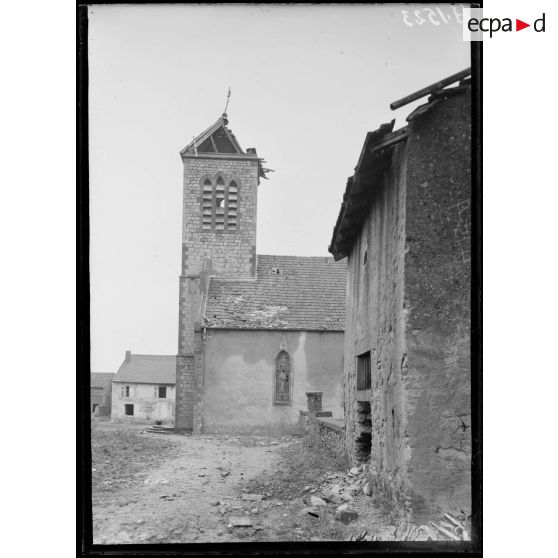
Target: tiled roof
{"x":148,"y":369}
{"x":101,"y":379}
{"x":307,"y":293}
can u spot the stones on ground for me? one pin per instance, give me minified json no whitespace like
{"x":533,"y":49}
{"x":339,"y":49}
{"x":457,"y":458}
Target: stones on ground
{"x":252,"y":497}
{"x":238,"y":521}
{"x":317,"y":501}
{"x":345,"y":514}
{"x":214,"y":503}
{"x":354,"y":471}
{"x":331,"y":496}
{"x":310,"y":511}
{"x":255,"y":510}
{"x":367,"y":489}
{"x":347,"y":497}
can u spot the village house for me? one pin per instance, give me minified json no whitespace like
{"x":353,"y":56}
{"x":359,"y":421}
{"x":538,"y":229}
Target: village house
{"x":404,"y":230}
{"x":256,"y":332}
{"x":101,"y":393}
{"x":143,"y":389}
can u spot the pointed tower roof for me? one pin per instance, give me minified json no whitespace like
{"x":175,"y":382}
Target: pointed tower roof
{"x":219,"y":141}
{"x":216,"y":139}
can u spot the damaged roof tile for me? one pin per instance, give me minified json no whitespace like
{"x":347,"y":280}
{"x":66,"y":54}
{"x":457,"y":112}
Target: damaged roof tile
{"x":309,"y":293}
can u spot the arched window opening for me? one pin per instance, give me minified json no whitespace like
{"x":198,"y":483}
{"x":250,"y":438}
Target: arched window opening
{"x":207,"y":204}
{"x":219,"y":204}
{"x":232,"y":205}
{"x":282,"y":391}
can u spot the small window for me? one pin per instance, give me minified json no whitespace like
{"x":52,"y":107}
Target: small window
{"x":276,"y":271}
{"x":125,"y":391}
{"x":282,"y":379}
{"x":364,"y":372}
{"x":95,"y":405}
{"x":129,"y":409}
{"x":162,"y":392}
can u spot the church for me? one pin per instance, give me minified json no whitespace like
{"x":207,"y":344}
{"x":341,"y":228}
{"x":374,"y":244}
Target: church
{"x":256,"y":332}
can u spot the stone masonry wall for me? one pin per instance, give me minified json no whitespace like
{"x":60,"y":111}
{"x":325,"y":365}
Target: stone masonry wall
{"x":375,"y":323}
{"x":184,"y":408}
{"x":437,"y":299}
{"x":232,"y":252}
{"x":228,"y":254}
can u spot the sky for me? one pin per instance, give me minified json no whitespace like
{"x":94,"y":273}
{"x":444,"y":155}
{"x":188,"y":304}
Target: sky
{"x":307,"y":82}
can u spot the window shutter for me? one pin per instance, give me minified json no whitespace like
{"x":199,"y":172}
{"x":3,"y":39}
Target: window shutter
{"x":155,"y":392}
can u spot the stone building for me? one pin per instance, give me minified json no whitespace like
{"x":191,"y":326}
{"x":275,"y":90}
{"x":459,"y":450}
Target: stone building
{"x":101,"y":393}
{"x":255,"y":331}
{"x":143,"y":389}
{"x":404,"y":229}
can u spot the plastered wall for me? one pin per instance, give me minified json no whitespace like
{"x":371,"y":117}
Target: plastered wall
{"x":239,"y":372}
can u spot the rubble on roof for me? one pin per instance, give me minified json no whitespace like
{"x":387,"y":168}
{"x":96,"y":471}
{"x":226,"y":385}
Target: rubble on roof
{"x":308,"y":294}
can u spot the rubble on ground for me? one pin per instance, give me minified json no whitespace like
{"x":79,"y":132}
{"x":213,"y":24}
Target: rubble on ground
{"x":341,"y":489}
{"x":240,"y":521}
{"x":449,"y":528}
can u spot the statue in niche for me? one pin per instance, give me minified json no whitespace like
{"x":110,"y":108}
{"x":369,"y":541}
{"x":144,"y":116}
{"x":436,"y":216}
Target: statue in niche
{"x":283,"y":378}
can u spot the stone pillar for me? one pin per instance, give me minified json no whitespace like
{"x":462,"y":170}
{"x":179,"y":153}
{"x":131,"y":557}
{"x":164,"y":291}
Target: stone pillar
{"x":314,"y":400}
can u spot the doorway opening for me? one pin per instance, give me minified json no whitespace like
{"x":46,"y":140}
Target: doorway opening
{"x":129,"y":409}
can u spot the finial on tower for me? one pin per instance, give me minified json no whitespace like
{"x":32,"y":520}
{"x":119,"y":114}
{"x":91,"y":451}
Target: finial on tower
{"x":226,"y":107}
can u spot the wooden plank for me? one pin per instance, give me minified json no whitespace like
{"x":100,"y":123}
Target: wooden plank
{"x":430,"y":88}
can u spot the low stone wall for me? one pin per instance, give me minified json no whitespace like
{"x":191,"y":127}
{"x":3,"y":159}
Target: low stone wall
{"x":329,"y":433}
{"x":325,"y":431}
{"x":102,"y":411}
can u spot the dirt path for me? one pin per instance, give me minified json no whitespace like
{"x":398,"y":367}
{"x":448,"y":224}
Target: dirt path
{"x":176,"y":501}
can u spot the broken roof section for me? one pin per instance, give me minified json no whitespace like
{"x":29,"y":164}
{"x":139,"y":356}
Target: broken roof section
{"x":376,"y":155}
{"x":217,"y":141}
{"x":290,"y":292}
{"x":147,"y":369}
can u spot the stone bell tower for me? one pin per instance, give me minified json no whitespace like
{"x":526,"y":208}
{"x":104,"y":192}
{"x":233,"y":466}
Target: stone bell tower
{"x":218,"y":239}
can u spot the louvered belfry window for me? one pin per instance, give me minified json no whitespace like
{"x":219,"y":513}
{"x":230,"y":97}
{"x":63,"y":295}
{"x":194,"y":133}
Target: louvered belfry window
{"x":219,"y":204}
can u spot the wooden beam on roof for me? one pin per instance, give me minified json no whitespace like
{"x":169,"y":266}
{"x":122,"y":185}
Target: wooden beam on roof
{"x":232,"y":140}
{"x":430,"y":88}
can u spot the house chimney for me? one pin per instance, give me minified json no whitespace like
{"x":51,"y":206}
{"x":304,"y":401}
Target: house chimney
{"x":128,"y":355}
